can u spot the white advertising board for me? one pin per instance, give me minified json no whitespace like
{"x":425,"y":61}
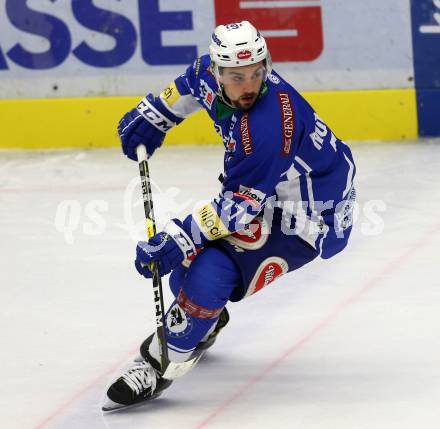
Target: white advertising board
{"x":76,"y":48}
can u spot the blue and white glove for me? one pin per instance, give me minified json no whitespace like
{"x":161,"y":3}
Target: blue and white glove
{"x":146,"y":124}
{"x":170,"y":248}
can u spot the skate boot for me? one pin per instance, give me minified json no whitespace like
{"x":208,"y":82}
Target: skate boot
{"x":207,"y":342}
{"x":141,"y":383}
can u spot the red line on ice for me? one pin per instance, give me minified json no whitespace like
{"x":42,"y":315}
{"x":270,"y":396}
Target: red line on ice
{"x":58,"y":412}
{"x":374,"y":281}
{"x":394,"y":265}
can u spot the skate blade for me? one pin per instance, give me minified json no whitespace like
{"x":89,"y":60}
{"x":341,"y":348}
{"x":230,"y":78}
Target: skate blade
{"x":138,"y":358}
{"x":110,"y":406}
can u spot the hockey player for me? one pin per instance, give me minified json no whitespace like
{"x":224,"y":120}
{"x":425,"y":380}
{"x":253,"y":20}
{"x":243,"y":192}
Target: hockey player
{"x":287,"y":197}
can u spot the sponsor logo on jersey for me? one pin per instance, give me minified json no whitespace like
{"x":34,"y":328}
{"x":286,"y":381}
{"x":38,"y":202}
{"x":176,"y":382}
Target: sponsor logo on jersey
{"x":197,"y":66}
{"x":287,"y":122}
{"x":274,"y":79}
{"x":320,"y":133}
{"x":170,"y":94}
{"x":253,"y":196}
{"x":244,"y":55}
{"x":253,"y":237}
{"x":344,"y":213}
{"x":246,"y":138}
{"x":218,"y":130}
{"x":210,"y":223}
{"x":178,"y":323}
{"x":229,"y":141}
{"x":231,"y":145}
{"x":268,"y":271}
{"x":207,"y":94}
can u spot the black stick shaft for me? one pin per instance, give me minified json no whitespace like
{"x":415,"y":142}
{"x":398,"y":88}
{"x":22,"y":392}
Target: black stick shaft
{"x":154,"y":266}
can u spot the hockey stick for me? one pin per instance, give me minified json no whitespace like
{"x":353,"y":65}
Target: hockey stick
{"x":170,"y":370}
{"x":144,"y":172}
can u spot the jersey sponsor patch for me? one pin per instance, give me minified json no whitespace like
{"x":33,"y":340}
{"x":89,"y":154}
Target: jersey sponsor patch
{"x":320,"y":133}
{"x":288,"y":119}
{"x":253,"y":196}
{"x":246,"y":138}
{"x":231,"y":145}
{"x":229,"y":141}
{"x":218,"y":130}
{"x":207,"y":94}
{"x":269,"y":270}
{"x":170,"y":94}
{"x":274,"y":79}
{"x":253,"y":237}
{"x":197,"y":66}
{"x":344,"y":213}
{"x":210,"y":223}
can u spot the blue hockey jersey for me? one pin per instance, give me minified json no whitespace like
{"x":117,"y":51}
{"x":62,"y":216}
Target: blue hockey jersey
{"x":279,"y":154}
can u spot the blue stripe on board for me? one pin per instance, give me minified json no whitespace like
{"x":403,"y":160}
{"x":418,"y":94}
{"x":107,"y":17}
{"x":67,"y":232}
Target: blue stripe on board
{"x":426,"y":46}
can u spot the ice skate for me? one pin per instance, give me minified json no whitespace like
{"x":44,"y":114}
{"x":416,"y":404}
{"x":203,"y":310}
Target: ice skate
{"x":141,"y":383}
{"x":212,"y":337}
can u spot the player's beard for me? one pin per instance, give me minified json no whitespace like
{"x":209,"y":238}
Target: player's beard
{"x":246,"y":101}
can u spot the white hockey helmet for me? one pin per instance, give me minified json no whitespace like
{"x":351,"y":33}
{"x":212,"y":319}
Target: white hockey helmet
{"x":238,"y":44}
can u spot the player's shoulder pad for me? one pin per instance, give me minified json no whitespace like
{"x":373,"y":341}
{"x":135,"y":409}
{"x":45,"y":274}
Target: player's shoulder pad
{"x":200,"y":81}
{"x":199,"y":69}
{"x":189,"y":82}
{"x":201,"y":65}
{"x":303,"y":112}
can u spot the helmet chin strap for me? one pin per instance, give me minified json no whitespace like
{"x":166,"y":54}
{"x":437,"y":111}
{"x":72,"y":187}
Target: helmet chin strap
{"x":223,"y":97}
{"x":221,"y":91}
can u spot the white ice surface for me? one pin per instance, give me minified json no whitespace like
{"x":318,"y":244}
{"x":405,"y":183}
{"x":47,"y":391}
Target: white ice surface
{"x":348,"y":343}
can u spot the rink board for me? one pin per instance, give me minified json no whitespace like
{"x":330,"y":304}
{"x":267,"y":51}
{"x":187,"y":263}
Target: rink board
{"x":91,"y":122}
{"x":70,"y":70}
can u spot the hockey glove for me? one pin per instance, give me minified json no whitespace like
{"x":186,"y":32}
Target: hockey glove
{"x":170,"y":248}
{"x":143,"y":125}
